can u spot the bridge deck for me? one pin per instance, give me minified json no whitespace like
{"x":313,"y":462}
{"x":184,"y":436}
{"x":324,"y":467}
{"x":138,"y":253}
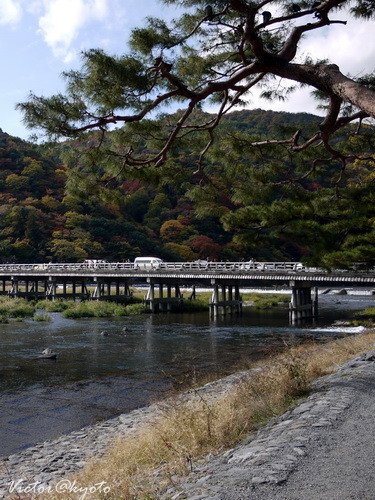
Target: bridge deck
{"x":224,"y":278}
{"x":244,"y":273}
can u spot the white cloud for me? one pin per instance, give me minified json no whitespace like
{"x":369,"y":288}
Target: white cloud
{"x":350,"y":46}
{"x":300,"y":101}
{"x":10,"y":12}
{"x":63,"y":20}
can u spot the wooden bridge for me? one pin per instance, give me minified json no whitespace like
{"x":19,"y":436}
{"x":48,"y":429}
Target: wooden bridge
{"x":112,"y":281}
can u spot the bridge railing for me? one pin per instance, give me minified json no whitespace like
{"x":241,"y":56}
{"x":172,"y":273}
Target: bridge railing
{"x":196,"y":266}
{"x":65,"y":266}
{"x":232,"y":266}
{"x":164,"y":266}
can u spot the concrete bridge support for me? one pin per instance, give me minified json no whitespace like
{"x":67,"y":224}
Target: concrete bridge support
{"x":98,"y":289}
{"x":303,"y":305}
{"x":225,"y":299}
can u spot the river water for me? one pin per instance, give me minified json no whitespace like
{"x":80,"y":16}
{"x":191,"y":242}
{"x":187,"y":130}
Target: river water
{"x":107,"y":367}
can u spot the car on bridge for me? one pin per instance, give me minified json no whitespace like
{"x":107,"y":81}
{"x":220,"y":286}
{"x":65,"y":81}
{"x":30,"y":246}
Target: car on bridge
{"x":147,"y":263}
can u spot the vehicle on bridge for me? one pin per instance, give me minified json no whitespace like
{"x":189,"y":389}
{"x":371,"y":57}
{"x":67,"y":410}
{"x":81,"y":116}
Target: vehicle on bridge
{"x":40,"y":267}
{"x":146,"y":263}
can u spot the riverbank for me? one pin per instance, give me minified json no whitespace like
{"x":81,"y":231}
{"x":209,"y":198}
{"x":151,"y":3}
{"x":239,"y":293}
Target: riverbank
{"x":17,"y":309}
{"x":52,"y":460}
{"x":320,"y":450}
{"x":48,"y":461}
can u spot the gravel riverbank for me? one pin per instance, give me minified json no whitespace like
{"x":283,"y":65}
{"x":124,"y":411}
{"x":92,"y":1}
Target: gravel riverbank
{"x":51,"y":460}
{"x":259,"y":468}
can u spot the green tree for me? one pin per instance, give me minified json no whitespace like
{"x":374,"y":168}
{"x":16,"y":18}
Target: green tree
{"x":136,"y":204}
{"x":181,"y":252}
{"x":216,"y":57}
{"x":175,"y":231}
{"x":67,"y":251}
{"x":292,"y":193}
{"x":325,"y":217}
{"x":16,"y":183}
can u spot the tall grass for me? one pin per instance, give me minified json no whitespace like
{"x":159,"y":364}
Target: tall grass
{"x":265,"y":301}
{"x":191,"y":306}
{"x":94,"y":309}
{"x":143,"y":464}
{"x":57,"y":305}
{"x":4,"y":319}
{"x":15,"y":308}
{"x":42,"y":317}
{"x":134,"y":309}
{"x":11,"y":308}
{"x":366,"y":314}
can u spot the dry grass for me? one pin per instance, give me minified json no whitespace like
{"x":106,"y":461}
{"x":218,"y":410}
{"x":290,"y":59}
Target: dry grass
{"x":150,"y":459}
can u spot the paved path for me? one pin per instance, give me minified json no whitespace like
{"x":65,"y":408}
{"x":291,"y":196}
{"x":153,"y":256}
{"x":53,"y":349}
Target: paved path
{"x":322,"y":450}
{"x":341,"y":462}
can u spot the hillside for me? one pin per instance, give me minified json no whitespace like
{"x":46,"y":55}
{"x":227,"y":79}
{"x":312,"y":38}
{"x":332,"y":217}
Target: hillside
{"x":51,"y":213}
{"x":266,"y":123}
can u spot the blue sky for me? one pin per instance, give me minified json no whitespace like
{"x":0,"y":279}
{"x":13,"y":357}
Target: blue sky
{"x":42,"y":38}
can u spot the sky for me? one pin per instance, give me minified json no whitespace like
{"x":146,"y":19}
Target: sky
{"x":42,"y":38}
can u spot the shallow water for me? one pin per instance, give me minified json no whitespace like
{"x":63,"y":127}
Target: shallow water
{"x":98,"y":375}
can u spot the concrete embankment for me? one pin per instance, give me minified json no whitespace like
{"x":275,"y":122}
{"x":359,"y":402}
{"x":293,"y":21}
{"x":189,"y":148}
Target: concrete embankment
{"x":289,"y":450}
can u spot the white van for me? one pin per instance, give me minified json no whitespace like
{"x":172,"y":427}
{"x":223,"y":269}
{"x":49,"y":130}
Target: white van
{"x":147,"y":263}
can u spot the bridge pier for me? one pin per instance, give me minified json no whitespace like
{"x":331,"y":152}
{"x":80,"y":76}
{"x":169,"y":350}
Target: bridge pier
{"x":98,"y":289}
{"x":14,"y":289}
{"x":31,"y":290}
{"x":303,"y":306}
{"x":224,"y":303}
{"x":162,"y":303}
{"x":103,"y":289}
{"x":150,"y":297}
{"x":51,"y":288}
{"x":193,"y":294}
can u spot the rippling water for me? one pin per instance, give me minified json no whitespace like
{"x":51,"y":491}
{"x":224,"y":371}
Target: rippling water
{"x":98,"y":375}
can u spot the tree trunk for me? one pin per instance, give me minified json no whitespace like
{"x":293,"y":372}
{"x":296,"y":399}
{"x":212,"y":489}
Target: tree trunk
{"x":329,"y":79}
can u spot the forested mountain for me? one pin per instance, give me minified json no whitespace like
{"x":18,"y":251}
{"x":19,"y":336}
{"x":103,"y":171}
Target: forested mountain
{"x":267,"y":123}
{"x":31,"y":193}
{"x":53,"y":209}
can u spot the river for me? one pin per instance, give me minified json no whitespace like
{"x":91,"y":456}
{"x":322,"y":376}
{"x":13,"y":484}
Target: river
{"x":110,"y":366}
